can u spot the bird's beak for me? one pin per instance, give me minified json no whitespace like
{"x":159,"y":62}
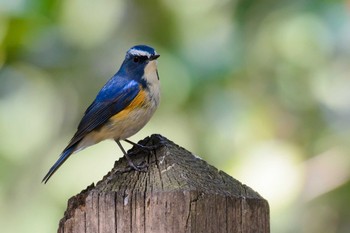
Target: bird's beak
{"x":154,"y":57}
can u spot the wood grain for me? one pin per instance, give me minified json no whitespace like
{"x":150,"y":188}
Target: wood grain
{"x":178,"y":193}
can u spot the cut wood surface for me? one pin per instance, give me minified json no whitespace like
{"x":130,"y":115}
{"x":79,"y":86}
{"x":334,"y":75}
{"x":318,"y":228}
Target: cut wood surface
{"x":178,"y":193}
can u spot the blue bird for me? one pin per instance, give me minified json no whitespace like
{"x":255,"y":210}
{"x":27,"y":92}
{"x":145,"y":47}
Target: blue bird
{"x":122,"y":107}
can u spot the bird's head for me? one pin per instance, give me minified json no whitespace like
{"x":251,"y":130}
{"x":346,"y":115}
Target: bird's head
{"x":141,"y":63}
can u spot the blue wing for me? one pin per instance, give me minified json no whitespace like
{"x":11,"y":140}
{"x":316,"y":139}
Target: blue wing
{"x":116,"y":95}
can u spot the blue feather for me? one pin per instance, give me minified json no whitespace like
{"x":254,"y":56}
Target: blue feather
{"x":64,"y":156}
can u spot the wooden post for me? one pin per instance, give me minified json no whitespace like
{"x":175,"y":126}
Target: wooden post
{"x":179,"y":193}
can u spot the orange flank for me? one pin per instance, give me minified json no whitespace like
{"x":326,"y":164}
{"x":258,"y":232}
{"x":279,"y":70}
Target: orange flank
{"x":137,"y":102}
{"x":121,"y":123}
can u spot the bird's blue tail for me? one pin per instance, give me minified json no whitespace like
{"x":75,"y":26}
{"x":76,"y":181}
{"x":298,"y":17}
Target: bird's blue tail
{"x":64,"y":156}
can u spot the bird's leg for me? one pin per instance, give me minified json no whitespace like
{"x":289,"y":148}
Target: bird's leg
{"x":140,"y":167}
{"x":147,"y":148}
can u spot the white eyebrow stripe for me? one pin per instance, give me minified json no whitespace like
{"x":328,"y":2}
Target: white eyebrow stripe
{"x":137,"y":52}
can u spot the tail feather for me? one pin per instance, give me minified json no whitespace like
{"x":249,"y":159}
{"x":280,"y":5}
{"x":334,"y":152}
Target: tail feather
{"x":64,"y":156}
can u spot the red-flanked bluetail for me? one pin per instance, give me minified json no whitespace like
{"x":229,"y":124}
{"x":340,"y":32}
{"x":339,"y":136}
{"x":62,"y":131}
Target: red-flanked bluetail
{"x":122,"y":107}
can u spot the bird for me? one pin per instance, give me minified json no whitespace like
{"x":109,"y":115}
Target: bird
{"x":121,"y":108}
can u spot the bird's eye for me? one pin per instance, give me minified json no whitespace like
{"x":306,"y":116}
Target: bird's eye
{"x":136,"y":59}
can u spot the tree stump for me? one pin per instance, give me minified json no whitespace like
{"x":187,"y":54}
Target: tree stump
{"x":178,"y":193}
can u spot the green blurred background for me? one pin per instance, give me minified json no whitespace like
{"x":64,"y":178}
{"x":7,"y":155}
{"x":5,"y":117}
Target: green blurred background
{"x":259,"y":89}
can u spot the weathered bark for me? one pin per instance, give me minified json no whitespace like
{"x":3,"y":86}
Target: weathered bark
{"x":178,"y":193}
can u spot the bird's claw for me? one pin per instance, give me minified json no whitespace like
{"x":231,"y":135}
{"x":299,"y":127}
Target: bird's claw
{"x":147,"y":148}
{"x":155,"y":146}
{"x":142,"y":167}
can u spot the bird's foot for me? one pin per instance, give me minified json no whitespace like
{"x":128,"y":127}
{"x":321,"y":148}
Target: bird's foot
{"x":132,"y":166}
{"x":147,"y":148}
{"x":142,"y":167}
